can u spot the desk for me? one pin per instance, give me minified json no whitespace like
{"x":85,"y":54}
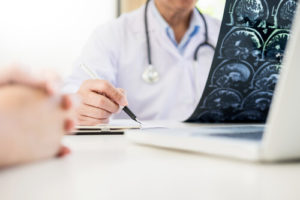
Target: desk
{"x":110,"y":167}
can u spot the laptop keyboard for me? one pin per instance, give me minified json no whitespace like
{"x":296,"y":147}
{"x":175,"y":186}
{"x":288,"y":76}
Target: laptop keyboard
{"x":254,"y":133}
{"x":246,"y":136}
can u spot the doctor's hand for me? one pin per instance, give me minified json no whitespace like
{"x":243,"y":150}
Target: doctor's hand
{"x":99,"y":100}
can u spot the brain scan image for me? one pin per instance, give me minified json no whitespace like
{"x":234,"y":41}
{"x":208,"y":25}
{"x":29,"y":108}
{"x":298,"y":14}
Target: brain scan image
{"x":232,"y":74}
{"x":249,"y":13}
{"x":258,"y":100}
{"x":249,"y":115}
{"x":266,"y":77}
{"x":284,"y":14}
{"x":242,"y":43}
{"x":212,"y":116}
{"x":223,"y":99}
{"x":247,"y":61}
{"x":275,"y":45}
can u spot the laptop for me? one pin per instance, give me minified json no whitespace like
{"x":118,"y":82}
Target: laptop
{"x":277,"y":140}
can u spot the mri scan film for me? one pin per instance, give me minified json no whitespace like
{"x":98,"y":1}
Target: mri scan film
{"x":247,"y":61}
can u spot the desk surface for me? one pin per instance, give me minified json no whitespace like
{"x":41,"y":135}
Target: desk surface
{"x":110,"y":167}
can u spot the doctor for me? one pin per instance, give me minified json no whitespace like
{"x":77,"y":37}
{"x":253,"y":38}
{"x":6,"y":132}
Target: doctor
{"x":160,"y":55}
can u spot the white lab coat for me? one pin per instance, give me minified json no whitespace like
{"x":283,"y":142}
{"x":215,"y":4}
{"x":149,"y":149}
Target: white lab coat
{"x":117,"y":53}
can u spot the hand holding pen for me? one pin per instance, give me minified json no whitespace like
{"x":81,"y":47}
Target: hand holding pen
{"x":99,"y":100}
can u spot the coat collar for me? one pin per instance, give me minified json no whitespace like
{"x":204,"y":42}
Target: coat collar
{"x":157,"y":29}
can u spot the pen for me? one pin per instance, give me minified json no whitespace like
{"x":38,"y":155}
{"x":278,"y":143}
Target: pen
{"x":93,"y":75}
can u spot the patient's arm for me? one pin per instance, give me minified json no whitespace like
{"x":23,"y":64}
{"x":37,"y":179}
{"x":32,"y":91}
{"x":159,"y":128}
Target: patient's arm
{"x":32,"y":122}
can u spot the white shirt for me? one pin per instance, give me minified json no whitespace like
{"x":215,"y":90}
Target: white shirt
{"x":117,"y":52}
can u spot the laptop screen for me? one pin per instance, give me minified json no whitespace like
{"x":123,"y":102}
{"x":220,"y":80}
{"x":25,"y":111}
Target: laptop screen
{"x":247,"y":61}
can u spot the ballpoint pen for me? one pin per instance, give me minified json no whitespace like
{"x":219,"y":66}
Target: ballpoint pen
{"x":93,"y":75}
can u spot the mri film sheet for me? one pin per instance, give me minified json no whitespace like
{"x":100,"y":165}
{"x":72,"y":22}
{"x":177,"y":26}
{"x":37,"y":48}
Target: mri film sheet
{"x":247,"y":61}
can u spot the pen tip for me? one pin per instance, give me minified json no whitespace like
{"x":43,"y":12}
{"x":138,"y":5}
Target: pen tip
{"x":138,"y":121}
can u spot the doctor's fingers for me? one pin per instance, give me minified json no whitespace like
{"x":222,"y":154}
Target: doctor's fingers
{"x":89,"y":121}
{"x":100,"y":101}
{"x":122,"y":91}
{"x":93,"y":112}
{"x":106,"y":88}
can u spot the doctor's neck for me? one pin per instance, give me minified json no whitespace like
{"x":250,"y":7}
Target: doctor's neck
{"x":176,"y":15}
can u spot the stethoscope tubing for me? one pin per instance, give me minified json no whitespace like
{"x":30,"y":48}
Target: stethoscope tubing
{"x":147,"y":34}
{"x":205,"y":43}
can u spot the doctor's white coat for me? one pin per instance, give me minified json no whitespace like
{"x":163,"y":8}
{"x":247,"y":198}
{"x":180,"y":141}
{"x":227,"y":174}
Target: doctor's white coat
{"x":117,"y":52}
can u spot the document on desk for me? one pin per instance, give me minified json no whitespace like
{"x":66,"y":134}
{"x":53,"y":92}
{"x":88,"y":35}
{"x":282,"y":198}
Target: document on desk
{"x":115,"y":126}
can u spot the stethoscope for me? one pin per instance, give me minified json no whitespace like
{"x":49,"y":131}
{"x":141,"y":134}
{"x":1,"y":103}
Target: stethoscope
{"x":150,"y":74}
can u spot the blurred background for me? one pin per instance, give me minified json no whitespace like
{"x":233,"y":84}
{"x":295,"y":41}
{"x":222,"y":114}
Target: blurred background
{"x":51,"y":33}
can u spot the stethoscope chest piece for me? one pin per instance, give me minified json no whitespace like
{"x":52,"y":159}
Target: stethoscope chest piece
{"x":150,"y":75}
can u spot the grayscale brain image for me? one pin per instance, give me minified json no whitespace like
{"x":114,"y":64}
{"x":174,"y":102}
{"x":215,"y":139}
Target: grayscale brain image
{"x":247,"y":61}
